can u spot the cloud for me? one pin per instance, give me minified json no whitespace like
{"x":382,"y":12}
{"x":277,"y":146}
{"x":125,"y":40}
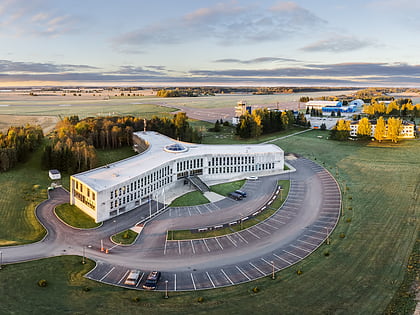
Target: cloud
{"x":36,"y":67}
{"x":255,"y":60}
{"x":35,"y":17}
{"x":227,"y":24}
{"x":338,"y":44}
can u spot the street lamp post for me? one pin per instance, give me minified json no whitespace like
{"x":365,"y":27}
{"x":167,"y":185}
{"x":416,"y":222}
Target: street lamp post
{"x":83,"y":257}
{"x":166,"y":289}
{"x":115,"y":226}
{"x":272,"y":274}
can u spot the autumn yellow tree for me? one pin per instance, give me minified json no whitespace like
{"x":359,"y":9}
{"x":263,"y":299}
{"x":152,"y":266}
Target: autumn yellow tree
{"x":394,"y":129}
{"x":368,"y":109}
{"x":379,"y":108}
{"x":341,"y":130}
{"x":364,"y":128}
{"x":392,"y":107}
{"x":380,"y":130}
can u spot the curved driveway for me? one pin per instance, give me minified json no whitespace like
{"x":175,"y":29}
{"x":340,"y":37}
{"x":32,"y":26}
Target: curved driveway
{"x":300,"y":226}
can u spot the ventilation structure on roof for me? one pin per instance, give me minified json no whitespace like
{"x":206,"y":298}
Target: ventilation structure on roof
{"x":175,"y":148}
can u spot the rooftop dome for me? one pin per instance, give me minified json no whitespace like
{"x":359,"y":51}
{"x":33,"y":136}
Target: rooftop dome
{"x":175,"y":148}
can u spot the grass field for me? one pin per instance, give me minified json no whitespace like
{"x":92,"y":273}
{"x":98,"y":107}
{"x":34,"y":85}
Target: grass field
{"x":360,"y":276}
{"x":75,"y":217}
{"x":25,"y":186}
{"x":193,"y":198}
{"x":226,"y":188}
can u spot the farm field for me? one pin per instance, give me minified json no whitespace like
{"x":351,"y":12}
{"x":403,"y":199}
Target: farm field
{"x":360,"y":275}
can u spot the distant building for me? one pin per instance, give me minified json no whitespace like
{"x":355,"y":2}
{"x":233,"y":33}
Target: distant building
{"x":407,"y":132}
{"x":321,"y":104}
{"x":241,"y":109}
{"x":164,"y":163}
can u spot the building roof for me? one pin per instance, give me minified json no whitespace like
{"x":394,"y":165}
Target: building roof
{"x":161,"y":149}
{"x":323,"y":103}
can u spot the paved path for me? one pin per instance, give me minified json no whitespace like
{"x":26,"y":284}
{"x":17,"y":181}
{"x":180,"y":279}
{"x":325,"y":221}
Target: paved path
{"x":299,"y":227}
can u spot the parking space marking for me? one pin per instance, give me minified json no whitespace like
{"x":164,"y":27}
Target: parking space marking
{"x":256,"y":268}
{"x":107,"y":274}
{"x":218,"y":243}
{"x":126,"y":273}
{"x":227,"y":235}
{"x":198,"y":209}
{"x":256,"y":226}
{"x":252,"y":233}
{"x":192,"y":245}
{"x":179,"y":247}
{"x":192,"y":279}
{"x":307,"y":243}
{"x":164,"y":249}
{"x":281,"y":258}
{"x":141,"y":277}
{"x":274,"y":227}
{"x":189,"y":211}
{"x":320,"y":226}
{"x":316,"y":238}
{"x":226,"y":276}
{"x":292,"y":254}
{"x":308,"y":251}
{"x":244,"y":274}
{"x":318,"y":232}
{"x":281,"y":222}
{"x":208,"y":249}
{"x":208,"y":276}
{"x":174,"y":281}
{"x":242,"y":237}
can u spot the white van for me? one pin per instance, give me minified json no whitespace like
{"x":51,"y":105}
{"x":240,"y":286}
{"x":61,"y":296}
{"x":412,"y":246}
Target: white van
{"x":132,"y":277}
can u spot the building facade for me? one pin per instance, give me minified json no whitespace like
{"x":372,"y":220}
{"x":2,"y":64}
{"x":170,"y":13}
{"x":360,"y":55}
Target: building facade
{"x":407,"y":131}
{"x":163,"y":163}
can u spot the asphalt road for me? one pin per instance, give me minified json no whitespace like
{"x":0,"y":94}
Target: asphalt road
{"x":300,"y":226}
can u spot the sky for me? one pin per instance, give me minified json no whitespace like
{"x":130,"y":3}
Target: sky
{"x":203,"y":42}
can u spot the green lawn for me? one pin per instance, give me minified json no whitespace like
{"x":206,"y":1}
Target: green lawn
{"x":226,"y":188}
{"x":277,"y":203}
{"x":360,"y":276}
{"x":75,"y":217}
{"x":192,"y":198}
{"x":125,"y":237}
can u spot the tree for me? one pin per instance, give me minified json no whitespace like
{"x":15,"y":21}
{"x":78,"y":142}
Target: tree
{"x":341,"y":130}
{"x":217,"y":127}
{"x":394,"y":128}
{"x":380,"y":130}
{"x":364,"y":128}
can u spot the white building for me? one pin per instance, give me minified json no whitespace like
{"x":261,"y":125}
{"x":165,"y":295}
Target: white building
{"x":407,"y":131}
{"x":114,"y":189}
{"x":320,"y":104}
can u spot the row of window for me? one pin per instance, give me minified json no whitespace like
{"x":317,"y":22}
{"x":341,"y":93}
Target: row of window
{"x":83,"y":199}
{"x":241,"y":168}
{"x":189,"y":164}
{"x":231,"y":160}
{"x":146,"y":183}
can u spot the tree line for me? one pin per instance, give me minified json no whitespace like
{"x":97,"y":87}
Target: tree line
{"x":396,"y":108}
{"x":74,"y":141}
{"x":17,"y":143}
{"x":264,"y":121}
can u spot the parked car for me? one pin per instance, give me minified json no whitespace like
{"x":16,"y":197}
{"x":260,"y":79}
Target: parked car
{"x":235,"y":196}
{"x":152,"y":280}
{"x":132,"y":277}
{"x":252,"y":178}
{"x":241,"y":192}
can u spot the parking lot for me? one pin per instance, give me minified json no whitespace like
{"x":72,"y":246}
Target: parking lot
{"x":299,"y":227}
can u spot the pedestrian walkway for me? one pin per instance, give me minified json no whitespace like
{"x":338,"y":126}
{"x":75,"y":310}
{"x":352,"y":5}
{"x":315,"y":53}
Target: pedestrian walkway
{"x":284,"y":137}
{"x":213,"y":197}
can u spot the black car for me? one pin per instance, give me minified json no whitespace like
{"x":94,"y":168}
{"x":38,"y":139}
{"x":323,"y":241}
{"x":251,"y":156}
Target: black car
{"x":152,"y":280}
{"x":242,"y":193}
{"x":235,"y":196}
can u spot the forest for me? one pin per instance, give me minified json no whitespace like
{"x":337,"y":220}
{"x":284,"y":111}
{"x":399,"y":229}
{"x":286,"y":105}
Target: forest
{"x":17,"y":143}
{"x":74,"y":142}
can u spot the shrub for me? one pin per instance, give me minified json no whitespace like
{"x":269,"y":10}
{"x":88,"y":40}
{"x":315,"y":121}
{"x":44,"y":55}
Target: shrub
{"x":348,"y":220}
{"x":42,"y":283}
{"x":342,"y":235}
{"x":299,"y":272}
{"x":255,"y":290}
{"x":200,"y":299}
{"x":326,"y":253}
{"x":125,"y":235}
{"x":350,"y":208}
{"x":136,"y":299}
{"x":350,"y":197}
{"x":86,"y":289}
